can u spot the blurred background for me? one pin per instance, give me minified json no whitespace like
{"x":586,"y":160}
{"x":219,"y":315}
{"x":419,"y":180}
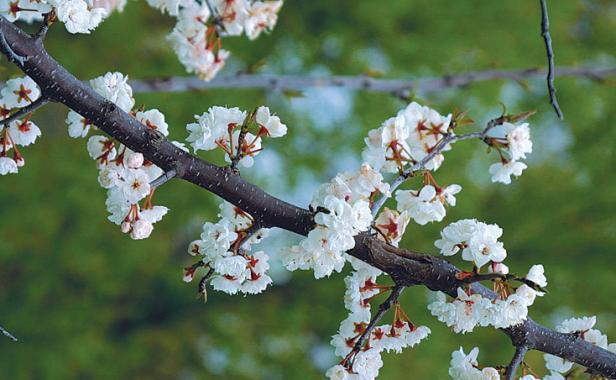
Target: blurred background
{"x":87,"y":302}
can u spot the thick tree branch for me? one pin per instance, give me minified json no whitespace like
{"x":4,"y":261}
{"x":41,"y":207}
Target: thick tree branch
{"x":405,"y":267}
{"x":398,"y":87}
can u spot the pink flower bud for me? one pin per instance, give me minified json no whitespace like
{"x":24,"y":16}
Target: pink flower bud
{"x":141,"y":229}
{"x":134,"y":160}
{"x":125,"y":227}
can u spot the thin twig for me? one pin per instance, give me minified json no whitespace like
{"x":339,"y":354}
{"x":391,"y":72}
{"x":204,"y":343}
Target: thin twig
{"x":42,"y":32}
{"x":240,"y":140}
{"x":512,"y":368}
{"x":26,"y":110}
{"x":166,"y":176}
{"x":216,"y":18}
{"x":383,"y":308}
{"x":545,"y":33}
{"x":5,"y":332}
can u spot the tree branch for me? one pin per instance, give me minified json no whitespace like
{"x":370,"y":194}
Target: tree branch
{"x":406,"y":268}
{"x":398,"y":87}
{"x":512,"y":368}
{"x":38,"y":103}
{"x":547,"y":39}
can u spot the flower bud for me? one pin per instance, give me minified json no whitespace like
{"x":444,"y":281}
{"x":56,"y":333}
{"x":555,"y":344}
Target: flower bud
{"x":125,"y":227}
{"x":134,"y":160}
{"x":141,"y":229}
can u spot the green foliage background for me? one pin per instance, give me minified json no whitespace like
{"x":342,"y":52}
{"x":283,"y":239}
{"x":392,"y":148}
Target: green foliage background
{"x":89,"y":303}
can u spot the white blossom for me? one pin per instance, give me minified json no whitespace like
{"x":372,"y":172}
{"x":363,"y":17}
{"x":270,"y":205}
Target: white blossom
{"x":114,"y":87}
{"x":212,"y":127}
{"x":153,"y":119}
{"x":23,"y":132}
{"x":502,"y":172}
{"x":20,"y":92}
{"x":7,"y":166}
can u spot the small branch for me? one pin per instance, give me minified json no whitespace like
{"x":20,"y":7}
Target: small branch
{"x":240,"y":139}
{"x":42,"y":32}
{"x":166,"y":176}
{"x":5,"y":332}
{"x":383,"y":308}
{"x":11,"y":55}
{"x":512,"y":368}
{"x":545,"y":33}
{"x":216,"y":19}
{"x":26,"y":110}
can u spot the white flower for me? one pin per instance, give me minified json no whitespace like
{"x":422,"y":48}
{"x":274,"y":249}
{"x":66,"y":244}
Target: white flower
{"x":527,"y":293}
{"x":270,"y":124}
{"x":483,"y":246}
{"x":386,"y":147}
{"x":101,"y":147}
{"x":135,"y":186}
{"x":154,"y":214}
{"x":19,"y":92}
{"x":428,"y":204}
{"x":24,"y":132}
{"x":233,"y":14}
{"x":153,"y":119}
{"x":170,"y":6}
{"x":498,"y":268}
{"x":213,"y":127}
{"x":509,"y":312}
{"x":134,"y":160}
{"x":338,"y":372}
{"x":262,"y":15}
{"x":535,"y":274}
{"x":392,"y":225}
{"x":77,"y":15}
{"x":7,"y":165}
{"x":217,"y":238}
{"x":110,"y":175}
{"x":78,"y":126}
{"x":141,"y":229}
{"x":518,"y":139}
{"x":596,"y":337}
{"x":251,"y":146}
{"x":455,"y":235}
{"x":226,"y":284}
{"x":574,"y":325}
{"x":502,"y":172}
{"x":231,"y":266}
{"x":556,"y":364}
{"x":238,"y":218}
{"x":114,"y":87}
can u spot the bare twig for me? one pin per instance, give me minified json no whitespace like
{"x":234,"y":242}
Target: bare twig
{"x":515,"y":362}
{"x":216,"y":18}
{"x":5,"y":332}
{"x":545,"y":33}
{"x":166,"y":176}
{"x":398,"y":87}
{"x":44,"y":28}
{"x":26,"y":110}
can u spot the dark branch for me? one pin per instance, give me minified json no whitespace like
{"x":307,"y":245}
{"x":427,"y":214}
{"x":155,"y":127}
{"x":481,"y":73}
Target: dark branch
{"x":545,"y":33}
{"x":26,"y":110}
{"x":383,"y":308}
{"x":405,"y":267}
{"x":512,"y":368}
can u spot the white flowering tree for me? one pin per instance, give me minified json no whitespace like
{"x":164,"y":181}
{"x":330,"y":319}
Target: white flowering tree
{"x":345,"y":224}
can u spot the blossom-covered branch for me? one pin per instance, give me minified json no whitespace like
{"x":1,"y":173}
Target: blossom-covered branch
{"x":574,"y":342}
{"x":400,"y":87}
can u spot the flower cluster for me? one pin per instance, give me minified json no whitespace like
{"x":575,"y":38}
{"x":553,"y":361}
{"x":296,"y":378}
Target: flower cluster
{"x":78,"y":16}
{"x":342,"y":209}
{"x":126,"y":175}
{"x":228,"y":129}
{"x":196,"y":36}
{"x":17,"y":93}
{"x":224,"y":249}
{"x":361,"y":288}
{"x":407,"y":139}
{"x":512,"y":142}
{"x":428,"y":203}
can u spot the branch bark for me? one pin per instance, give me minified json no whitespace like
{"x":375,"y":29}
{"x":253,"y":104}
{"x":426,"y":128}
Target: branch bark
{"x":398,"y":87}
{"x":405,"y":267}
